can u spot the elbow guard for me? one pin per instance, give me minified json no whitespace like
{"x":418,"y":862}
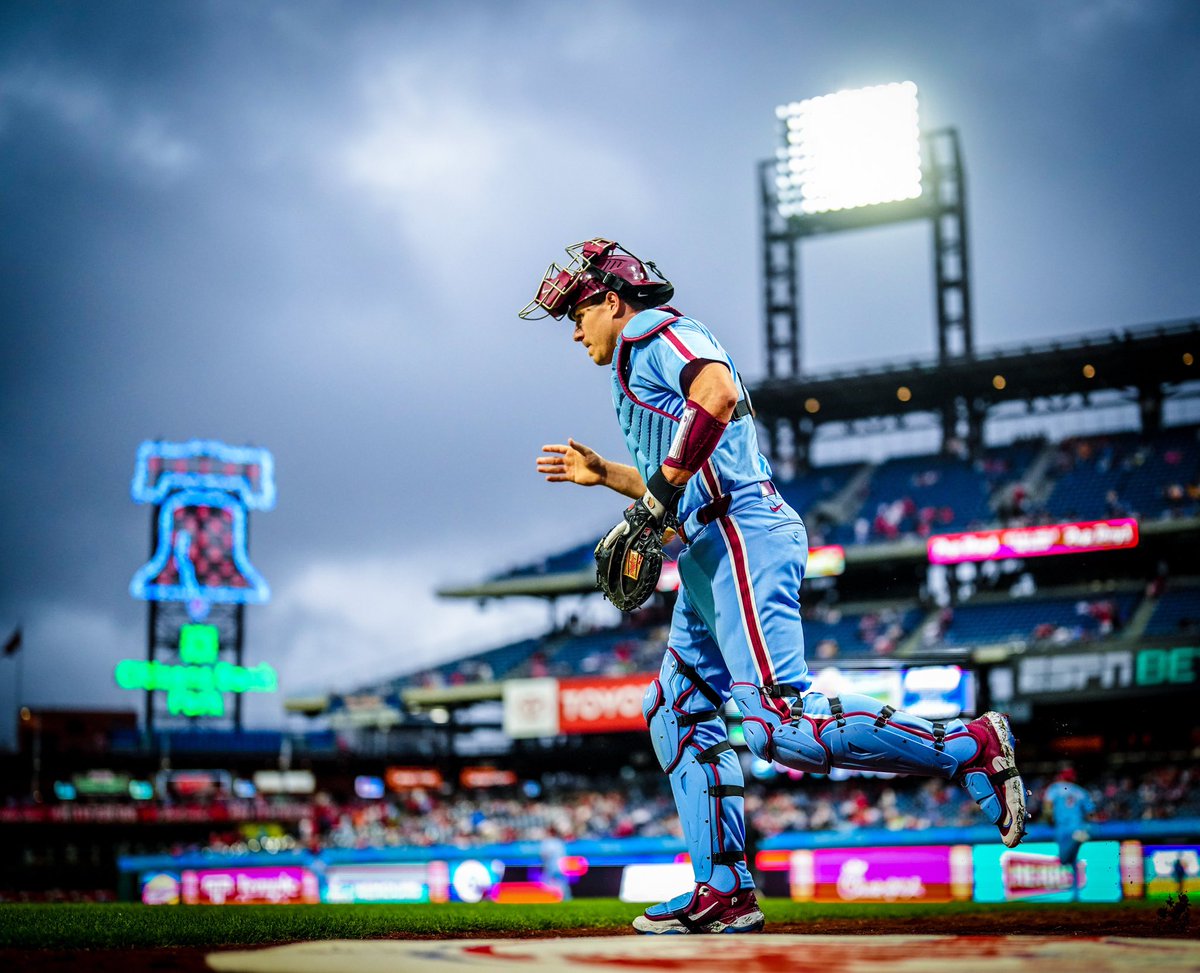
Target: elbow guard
{"x":698,"y":434}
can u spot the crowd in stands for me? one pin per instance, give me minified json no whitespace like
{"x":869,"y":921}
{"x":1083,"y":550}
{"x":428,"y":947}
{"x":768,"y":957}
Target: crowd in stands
{"x":833,"y":632}
{"x":571,"y":808}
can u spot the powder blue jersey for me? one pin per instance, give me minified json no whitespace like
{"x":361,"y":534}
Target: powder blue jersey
{"x":1070,"y":806}
{"x":648,"y":363}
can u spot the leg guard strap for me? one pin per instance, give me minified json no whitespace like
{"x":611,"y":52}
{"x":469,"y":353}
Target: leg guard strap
{"x":782,"y":691}
{"x":698,"y":681}
{"x":1008,"y":773}
{"x":727,"y":790}
{"x":710,"y":755}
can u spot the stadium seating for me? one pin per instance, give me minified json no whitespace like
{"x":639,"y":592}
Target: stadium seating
{"x":1068,"y":618}
{"x":915,"y":496}
{"x":493,"y":664}
{"x":857,"y":633}
{"x":1127,"y":475}
{"x":1177,"y":613}
{"x":608,"y":652}
{"x":824,"y":483}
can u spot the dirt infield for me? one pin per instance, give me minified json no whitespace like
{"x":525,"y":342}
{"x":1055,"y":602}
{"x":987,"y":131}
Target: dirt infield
{"x":1118,"y":922}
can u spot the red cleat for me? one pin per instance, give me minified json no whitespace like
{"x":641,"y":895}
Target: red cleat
{"x":992,"y":777}
{"x":705,"y":910}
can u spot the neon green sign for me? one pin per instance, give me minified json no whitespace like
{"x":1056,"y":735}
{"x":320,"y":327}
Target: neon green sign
{"x":197,"y":687}
{"x":199,"y":644}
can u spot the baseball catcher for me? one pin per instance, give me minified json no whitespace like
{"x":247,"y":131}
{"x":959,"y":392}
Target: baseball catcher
{"x":736,"y":630}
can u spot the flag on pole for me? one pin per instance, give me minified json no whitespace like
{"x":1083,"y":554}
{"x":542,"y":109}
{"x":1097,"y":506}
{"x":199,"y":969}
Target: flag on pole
{"x":13,"y":643}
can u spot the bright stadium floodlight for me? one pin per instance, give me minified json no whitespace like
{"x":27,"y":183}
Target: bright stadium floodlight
{"x":849,"y":149}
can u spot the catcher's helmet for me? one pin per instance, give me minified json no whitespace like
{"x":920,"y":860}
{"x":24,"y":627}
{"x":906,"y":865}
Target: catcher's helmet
{"x":596,"y":266}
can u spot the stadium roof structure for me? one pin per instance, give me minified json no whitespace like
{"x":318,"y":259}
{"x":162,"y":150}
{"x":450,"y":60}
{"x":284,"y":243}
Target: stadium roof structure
{"x":1146,"y":361}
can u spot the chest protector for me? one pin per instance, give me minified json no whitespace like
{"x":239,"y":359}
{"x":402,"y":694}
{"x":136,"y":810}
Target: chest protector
{"x":648,"y":429}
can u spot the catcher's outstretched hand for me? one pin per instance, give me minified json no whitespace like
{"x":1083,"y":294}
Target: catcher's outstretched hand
{"x":571,"y":463}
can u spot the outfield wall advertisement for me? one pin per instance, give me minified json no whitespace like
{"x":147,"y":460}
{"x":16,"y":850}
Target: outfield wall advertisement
{"x":252,"y":885}
{"x":1171,"y":869}
{"x":385,"y":883}
{"x":936,"y":873}
{"x":1033,"y":872}
{"x":646,"y":870}
{"x":549,"y":707}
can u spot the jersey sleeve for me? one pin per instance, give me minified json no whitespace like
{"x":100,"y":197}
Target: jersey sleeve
{"x":676,"y":346}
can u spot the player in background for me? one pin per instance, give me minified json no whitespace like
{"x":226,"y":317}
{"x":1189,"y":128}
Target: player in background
{"x":736,"y":629}
{"x":1068,"y":807}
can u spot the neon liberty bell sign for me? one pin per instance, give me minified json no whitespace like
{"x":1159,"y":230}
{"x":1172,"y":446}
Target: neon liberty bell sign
{"x":202,"y":490}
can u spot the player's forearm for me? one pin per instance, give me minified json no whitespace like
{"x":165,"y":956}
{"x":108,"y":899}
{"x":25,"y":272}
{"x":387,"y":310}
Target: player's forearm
{"x":711,"y":399}
{"x":625,"y":480}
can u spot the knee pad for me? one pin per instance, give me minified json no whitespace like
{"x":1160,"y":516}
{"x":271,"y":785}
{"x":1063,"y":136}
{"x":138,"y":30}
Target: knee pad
{"x":777,"y":728}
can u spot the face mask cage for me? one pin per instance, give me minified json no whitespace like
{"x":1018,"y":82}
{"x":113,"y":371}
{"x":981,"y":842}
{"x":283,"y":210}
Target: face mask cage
{"x":559,"y":286}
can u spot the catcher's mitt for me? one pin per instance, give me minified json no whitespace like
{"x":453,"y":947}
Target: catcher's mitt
{"x":629,"y":558}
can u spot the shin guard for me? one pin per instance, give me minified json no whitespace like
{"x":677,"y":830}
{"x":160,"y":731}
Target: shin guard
{"x":690,"y":741}
{"x":816,"y":732}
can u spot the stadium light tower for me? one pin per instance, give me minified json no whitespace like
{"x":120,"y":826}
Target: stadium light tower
{"x":853,"y":159}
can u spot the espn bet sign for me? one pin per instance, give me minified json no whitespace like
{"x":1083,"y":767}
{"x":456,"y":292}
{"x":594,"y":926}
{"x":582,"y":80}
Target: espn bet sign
{"x":197,"y":685}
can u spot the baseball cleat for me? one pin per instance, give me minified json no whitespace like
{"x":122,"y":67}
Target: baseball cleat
{"x":704,"y":910}
{"x":992,"y":778}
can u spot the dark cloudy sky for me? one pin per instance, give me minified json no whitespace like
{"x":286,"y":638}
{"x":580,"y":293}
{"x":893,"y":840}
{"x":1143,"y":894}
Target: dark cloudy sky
{"x":308,"y":226}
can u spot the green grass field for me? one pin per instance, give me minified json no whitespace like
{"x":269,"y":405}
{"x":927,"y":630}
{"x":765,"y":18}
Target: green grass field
{"x":124,"y":926}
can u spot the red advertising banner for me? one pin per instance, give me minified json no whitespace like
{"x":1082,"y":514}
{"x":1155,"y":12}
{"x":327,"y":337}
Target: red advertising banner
{"x":487,"y":777}
{"x":602,"y":705}
{"x":411,"y":778}
{"x":1019,"y":542}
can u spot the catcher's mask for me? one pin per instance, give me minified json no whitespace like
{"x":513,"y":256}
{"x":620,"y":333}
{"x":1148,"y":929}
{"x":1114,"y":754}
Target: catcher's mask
{"x":596,"y":266}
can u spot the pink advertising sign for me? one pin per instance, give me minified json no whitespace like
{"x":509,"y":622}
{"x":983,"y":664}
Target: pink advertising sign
{"x":933,"y":873}
{"x":1040,"y":541}
{"x":249,"y":886}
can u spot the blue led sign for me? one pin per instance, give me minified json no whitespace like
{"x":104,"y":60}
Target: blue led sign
{"x":203,"y":490}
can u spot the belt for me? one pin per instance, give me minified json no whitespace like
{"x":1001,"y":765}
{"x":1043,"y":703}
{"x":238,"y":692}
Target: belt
{"x":718,"y":508}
